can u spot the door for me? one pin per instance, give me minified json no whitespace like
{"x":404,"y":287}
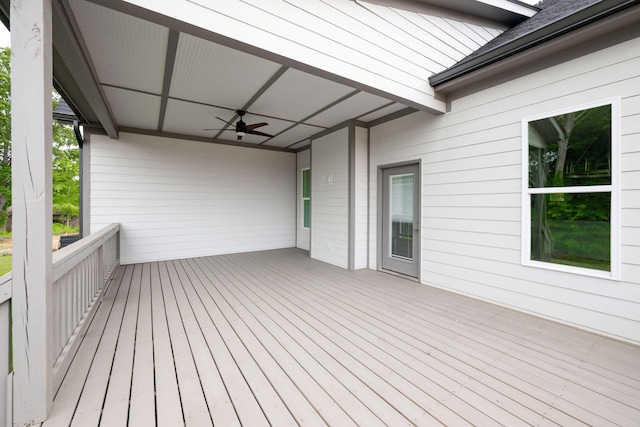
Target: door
{"x":400,"y":219}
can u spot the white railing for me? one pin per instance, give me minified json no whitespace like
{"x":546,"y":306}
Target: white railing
{"x":5,"y":346}
{"x":80,"y":273}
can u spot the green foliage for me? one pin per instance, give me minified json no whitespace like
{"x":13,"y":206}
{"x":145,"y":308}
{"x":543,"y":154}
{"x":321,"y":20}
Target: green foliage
{"x":572,"y":150}
{"x":580,"y":148}
{"x":580,"y":207}
{"x":5,"y":132}
{"x":66,"y":209}
{"x":579,"y":226}
{"x":66,"y":163}
{"x":65,"y":169}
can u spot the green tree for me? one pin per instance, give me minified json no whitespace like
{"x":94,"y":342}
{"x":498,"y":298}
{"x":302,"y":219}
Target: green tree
{"x":5,"y":133}
{"x":65,"y":166}
{"x":65,"y":170}
{"x":565,"y":125}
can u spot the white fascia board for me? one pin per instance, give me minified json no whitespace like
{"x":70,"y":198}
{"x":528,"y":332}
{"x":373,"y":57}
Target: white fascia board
{"x":511,"y":6}
{"x":260,"y":33}
{"x":507,"y":12}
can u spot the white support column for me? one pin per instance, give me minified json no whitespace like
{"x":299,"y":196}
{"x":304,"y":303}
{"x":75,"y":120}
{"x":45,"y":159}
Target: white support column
{"x":31,"y":116}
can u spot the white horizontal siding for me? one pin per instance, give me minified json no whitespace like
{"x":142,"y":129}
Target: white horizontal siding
{"x":466,"y":33}
{"x":471,"y":200}
{"x":330,"y":198}
{"x":381,"y":48}
{"x":426,"y":31}
{"x":178,"y":199}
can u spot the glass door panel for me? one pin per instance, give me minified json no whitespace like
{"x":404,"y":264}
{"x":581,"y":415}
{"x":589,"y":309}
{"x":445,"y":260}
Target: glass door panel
{"x":401,"y":215}
{"x":400,"y":219}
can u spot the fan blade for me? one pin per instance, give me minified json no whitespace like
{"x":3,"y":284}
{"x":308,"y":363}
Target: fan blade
{"x":229,"y":123}
{"x":220,"y":129}
{"x":255,"y":132}
{"x":256,"y":125}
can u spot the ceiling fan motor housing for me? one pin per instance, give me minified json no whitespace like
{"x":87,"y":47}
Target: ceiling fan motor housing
{"x":241,"y":126}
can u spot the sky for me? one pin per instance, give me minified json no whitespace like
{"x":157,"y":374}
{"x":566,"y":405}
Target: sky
{"x":5,"y":37}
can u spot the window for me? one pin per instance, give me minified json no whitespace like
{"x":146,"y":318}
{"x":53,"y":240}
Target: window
{"x":306,"y":198}
{"x":569,"y":200}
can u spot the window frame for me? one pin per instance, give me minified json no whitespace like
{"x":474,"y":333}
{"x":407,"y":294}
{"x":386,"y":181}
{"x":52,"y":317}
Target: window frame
{"x":613,"y":189}
{"x":303,"y":198}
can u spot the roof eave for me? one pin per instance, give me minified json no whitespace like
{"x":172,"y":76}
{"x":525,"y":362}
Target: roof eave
{"x":556,"y":29}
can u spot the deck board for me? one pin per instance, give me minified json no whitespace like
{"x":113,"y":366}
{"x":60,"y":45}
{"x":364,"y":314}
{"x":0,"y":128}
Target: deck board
{"x":392,"y":387}
{"x":310,"y":376}
{"x":65,"y":404}
{"x":143,"y":386}
{"x":383,"y":354}
{"x":169,"y":408}
{"x":229,"y":363}
{"x":118,"y":391}
{"x":275,"y":338}
{"x":537,"y":376}
{"x":300,"y":408}
{"x":192,"y":398}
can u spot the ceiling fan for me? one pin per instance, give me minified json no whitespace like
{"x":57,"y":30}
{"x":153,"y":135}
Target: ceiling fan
{"x":242,"y":129}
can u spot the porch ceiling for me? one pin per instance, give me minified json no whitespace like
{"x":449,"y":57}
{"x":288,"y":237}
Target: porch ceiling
{"x":145,"y":76}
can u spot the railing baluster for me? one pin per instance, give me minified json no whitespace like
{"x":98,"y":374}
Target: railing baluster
{"x":5,"y":333}
{"x":65,"y":306}
{"x":77,"y":295}
{"x":80,"y":272}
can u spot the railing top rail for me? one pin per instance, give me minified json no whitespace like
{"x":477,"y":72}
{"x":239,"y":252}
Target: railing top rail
{"x":5,"y":287}
{"x":67,"y":258}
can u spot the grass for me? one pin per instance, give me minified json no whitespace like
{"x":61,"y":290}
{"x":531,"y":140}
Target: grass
{"x":581,"y":243}
{"x":5,"y":242}
{"x":58,"y":228}
{"x":5,"y":264}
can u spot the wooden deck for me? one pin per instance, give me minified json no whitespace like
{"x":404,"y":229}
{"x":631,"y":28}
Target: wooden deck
{"x":274,"y":338}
